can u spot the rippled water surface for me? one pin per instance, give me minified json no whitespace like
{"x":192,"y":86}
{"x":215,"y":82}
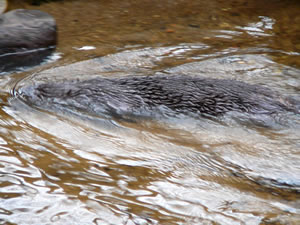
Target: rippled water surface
{"x":57,"y":168}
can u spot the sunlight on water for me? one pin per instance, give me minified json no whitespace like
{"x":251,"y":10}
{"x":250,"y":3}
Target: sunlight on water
{"x":135,"y":168}
{"x":68,"y":167}
{"x":260,"y":28}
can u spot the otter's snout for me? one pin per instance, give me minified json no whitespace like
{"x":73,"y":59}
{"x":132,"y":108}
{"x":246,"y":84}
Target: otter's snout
{"x":28,"y":94}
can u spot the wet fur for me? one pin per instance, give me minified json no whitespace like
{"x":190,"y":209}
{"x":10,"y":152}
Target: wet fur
{"x":140,"y":94}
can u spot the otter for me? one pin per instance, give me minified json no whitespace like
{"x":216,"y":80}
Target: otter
{"x":138,"y":95}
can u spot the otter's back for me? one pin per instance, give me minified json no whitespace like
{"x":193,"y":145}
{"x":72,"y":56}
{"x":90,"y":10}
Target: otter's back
{"x":137,"y":94}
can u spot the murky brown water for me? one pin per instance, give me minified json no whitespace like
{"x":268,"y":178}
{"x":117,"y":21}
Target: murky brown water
{"x":61,"y":169}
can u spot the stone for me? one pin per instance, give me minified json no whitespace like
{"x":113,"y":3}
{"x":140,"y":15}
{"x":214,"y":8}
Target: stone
{"x":26,"y":38}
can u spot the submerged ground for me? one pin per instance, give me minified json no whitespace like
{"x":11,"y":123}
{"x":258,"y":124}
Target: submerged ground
{"x":62,"y":169}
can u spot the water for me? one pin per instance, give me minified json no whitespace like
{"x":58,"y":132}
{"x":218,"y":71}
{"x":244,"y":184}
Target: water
{"x":57,"y":168}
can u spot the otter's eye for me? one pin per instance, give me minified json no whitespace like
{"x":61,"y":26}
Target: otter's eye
{"x":69,"y":93}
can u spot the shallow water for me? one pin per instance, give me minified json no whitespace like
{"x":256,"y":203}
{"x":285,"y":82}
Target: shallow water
{"x":58,"y":168}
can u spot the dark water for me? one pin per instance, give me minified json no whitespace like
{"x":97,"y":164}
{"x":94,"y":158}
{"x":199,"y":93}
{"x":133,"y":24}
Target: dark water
{"x":57,"y":168}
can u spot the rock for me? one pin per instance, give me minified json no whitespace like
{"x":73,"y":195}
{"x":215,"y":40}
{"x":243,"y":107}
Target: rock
{"x":26,"y":38}
{"x":39,"y":2}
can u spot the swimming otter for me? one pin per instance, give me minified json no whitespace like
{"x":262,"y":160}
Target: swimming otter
{"x":138,"y":95}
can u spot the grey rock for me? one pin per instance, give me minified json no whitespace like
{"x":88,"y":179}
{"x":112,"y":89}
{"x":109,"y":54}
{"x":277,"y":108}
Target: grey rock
{"x":26,"y":38}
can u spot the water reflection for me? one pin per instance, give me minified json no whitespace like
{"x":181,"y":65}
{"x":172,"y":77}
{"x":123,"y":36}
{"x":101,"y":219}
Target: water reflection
{"x":260,"y":28}
{"x":59,"y":168}
{"x":149,"y":170}
{"x":168,"y":170}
